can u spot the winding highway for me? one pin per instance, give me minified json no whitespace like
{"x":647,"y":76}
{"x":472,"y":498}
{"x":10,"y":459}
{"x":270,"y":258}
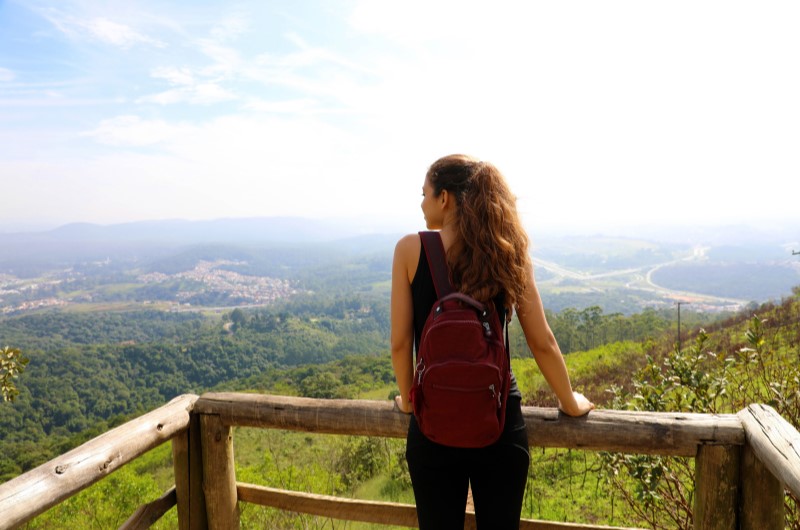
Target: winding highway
{"x":642,"y":280}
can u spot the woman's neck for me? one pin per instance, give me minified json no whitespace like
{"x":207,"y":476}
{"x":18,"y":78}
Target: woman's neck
{"x":449,"y":232}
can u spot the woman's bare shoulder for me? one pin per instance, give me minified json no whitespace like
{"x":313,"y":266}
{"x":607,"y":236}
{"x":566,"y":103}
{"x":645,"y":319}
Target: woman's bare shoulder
{"x":408,"y":244}
{"x":406,"y":254}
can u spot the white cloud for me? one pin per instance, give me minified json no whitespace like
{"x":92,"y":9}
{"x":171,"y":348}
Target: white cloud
{"x":115,"y":33}
{"x":208,"y":93}
{"x":132,"y":131}
{"x":417,"y":22}
{"x":6,"y":75}
{"x":196,"y":94}
{"x":98,"y":28}
{"x":174,"y":76}
{"x":226,"y":60}
{"x":334,"y":83}
{"x":303,"y":106}
{"x":595,"y":106}
{"x":231,"y":27}
{"x":167,"y":97}
{"x":253,"y":165}
{"x":199,"y":84}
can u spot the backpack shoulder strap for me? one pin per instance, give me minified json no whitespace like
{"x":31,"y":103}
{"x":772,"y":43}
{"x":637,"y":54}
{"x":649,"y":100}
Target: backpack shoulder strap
{"x":437,"y":262}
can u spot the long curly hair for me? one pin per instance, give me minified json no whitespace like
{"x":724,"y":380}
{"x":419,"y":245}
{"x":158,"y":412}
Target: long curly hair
{"x":490,"y":253}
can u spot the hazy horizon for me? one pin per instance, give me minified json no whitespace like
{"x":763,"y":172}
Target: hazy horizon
{"x":786,"y":233}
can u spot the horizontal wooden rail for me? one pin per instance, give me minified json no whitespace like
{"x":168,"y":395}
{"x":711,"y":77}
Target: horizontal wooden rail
{"x":146,"y":516}
{"x":329,"y":506}
{"x":26,"y":496}
{"x":673,"y":434}
{"x":387,"y":513}
{"x":331,"y":416}
{"x":637,"y":432}
{"x":768,"y":460}
{"x":775,"y":443}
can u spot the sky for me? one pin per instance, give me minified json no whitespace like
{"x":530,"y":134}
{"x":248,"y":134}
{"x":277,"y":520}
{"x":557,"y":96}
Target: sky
{"x":600,"y":114}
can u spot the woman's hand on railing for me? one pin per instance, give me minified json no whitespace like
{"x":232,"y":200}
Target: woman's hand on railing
{"x":579,"y":408}
{"x":402,"y":405}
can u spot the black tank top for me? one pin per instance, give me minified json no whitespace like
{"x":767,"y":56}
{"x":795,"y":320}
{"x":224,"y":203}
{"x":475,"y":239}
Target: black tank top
{"x":423,"y":294}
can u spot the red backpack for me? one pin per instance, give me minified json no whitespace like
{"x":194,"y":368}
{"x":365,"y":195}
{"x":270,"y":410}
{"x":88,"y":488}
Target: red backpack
{"x":463,"y":373}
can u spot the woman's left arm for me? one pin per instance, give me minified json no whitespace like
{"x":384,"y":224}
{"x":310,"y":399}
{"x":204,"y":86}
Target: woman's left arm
{"x":543,"y":344}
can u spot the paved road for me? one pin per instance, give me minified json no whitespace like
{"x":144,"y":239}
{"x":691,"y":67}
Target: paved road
{"x":643,"y":279}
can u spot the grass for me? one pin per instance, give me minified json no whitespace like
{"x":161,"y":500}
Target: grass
{"x":381,"y":393}
{"x":563,"y":485}
{"x":119,"y":288}
{"x":591,"y":372}
{"x":103,"y":307}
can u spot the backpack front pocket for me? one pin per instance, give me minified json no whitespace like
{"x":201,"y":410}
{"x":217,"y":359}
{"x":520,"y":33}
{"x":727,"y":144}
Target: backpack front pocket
{"x":461,"y":404}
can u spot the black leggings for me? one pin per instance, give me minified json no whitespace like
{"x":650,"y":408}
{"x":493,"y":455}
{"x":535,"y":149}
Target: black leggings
{"x":441,"y":476}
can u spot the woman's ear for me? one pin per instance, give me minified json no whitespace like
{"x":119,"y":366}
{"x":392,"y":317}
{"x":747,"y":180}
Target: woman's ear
{"x":444,"y":199}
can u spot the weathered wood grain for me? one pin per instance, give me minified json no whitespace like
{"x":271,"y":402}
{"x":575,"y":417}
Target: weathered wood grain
{"x":674,"y":434}
{"x":775,"y":442}
{"x":716,"y":495}
{"x":744,"y":458}
{"x":145,"y":516}
{"x":26,"y":496}
{"x":219,"y":474}
{"x":180,"y":467}
{"x":388,"y":513}
{"x":761,"y":495}
{"x":187,"y":458}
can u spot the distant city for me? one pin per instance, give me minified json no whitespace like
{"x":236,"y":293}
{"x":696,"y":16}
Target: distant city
{"x":183,"y":265}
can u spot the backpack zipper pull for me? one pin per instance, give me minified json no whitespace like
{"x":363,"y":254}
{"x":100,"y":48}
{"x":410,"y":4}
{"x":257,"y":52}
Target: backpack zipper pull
{"x":495,"y":395}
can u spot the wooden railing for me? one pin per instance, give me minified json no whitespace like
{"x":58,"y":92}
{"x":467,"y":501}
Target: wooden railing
{"x":743,"y":461}
{"x":31,"y":493}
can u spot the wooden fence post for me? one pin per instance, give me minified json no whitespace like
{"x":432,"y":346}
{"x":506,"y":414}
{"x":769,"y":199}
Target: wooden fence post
{"x":775,"y":444}
{"x":219,"y":474}
{"x":762,"y":495}
{"x":180,"y":468}
{"x":187,"y":460}
{"x":716,"y":493}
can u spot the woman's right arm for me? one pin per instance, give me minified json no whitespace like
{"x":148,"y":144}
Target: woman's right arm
{"x":406,"y":255}
{"x":546,"y":352}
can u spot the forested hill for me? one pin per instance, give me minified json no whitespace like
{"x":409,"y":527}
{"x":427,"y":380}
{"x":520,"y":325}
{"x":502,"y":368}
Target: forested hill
{"x":139,"y":322}
{"x":89,"y":371}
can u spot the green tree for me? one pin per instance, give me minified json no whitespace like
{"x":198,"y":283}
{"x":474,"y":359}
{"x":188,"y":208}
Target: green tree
{"x":12,"y":363}
{"x":238,"y":318}
{"x":321,"y":385}
{"x":762,"y":368}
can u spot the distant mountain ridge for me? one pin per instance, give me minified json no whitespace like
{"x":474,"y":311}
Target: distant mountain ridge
{"x":33,"y":253}
{"x":715,"y":269}
{"x":239,"y":230}
{"x":302,"y":229}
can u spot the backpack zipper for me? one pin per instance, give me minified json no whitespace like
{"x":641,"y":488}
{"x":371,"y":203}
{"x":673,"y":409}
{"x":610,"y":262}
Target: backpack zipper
{"x":437,"y":324}
{"x":491,"y":389}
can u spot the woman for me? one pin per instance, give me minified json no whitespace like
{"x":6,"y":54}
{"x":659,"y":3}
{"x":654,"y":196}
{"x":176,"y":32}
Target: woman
{"x":469,"y":202}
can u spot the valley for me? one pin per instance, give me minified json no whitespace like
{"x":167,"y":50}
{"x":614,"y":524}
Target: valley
{"x":639,"y":279}
{"x":89,"y":268}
